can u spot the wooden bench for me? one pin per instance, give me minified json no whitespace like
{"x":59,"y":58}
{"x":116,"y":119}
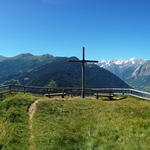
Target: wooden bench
{"x":55,"y":94}
{"x":109,"y":95}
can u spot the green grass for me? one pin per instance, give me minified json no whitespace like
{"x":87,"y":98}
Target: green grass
{"x":74,"y":124}
{"x":92,"y":125}
{"x":14,"y":121}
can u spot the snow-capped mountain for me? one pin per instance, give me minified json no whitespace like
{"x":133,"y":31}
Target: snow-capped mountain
{"x":122,"y":68}
{"x":136,"y":72}
{"x":121,"y":63}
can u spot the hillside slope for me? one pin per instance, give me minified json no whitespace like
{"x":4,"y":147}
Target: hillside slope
{"x":67,"y":74}
{"x":41,"y":71}
{"x":22,"y":63}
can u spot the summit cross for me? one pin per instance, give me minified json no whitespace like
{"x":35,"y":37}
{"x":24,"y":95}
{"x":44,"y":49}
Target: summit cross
{"x":83,"y":61}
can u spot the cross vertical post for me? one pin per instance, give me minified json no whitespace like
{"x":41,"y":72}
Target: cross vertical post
{"x":83,"y":72}
{"x":83,"y":61}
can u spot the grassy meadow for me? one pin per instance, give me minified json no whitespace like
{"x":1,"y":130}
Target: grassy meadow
{"x":14,"y":121}
{"x":92,"y":125}
{"x":74,"y":124}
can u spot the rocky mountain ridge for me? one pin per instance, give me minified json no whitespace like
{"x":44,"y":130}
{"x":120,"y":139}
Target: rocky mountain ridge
{"x":2,"y":58}
{"x":136,"y":72}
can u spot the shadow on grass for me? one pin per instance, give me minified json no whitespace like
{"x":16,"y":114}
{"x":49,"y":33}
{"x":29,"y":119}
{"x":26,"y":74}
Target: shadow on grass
{"x":115,"y":99}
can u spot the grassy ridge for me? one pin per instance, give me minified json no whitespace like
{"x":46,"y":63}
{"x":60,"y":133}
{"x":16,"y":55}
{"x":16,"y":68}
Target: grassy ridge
{"x":14,"y":121}
{"x":92,"y":125}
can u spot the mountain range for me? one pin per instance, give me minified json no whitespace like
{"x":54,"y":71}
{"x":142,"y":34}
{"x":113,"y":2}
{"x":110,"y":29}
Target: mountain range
{"x":135,"y":72}
{"x":47,"y":70}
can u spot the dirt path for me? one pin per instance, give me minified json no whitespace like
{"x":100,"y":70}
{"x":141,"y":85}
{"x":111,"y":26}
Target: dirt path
{"x":32,"y":109}
{"x":31,"y":113}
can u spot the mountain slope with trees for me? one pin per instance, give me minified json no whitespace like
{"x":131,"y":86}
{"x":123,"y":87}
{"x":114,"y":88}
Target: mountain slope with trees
{"x":44,"y":70}
{"x":22,"y":63}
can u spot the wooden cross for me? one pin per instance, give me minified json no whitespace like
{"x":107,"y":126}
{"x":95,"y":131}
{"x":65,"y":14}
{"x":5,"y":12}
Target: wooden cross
{"x":83,"y":61}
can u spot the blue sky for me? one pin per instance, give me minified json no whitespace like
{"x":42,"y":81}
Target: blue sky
{"x":109,"y":29}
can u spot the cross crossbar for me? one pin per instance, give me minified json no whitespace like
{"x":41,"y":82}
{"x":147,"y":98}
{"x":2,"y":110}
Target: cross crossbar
{"x":91,"y":61}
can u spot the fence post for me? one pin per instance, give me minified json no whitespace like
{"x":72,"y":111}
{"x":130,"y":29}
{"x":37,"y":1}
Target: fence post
{"x":63,"y":93}
{"x":24,"y":89}
{"x":71,"y":92}
{"x":47,"y":90}
{"x":97,"y":97}
{"x":9,"y":88}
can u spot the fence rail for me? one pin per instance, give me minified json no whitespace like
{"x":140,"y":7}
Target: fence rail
{"x":74,"y":91}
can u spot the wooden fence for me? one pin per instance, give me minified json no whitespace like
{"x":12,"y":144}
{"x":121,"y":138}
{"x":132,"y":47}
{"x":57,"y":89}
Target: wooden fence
{"x":73,"y":91}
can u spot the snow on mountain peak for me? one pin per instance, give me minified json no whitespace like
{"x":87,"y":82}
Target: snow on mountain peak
{"x":103,"y":61}
{"x":121,"y":62}
{"x":133,"y":60}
